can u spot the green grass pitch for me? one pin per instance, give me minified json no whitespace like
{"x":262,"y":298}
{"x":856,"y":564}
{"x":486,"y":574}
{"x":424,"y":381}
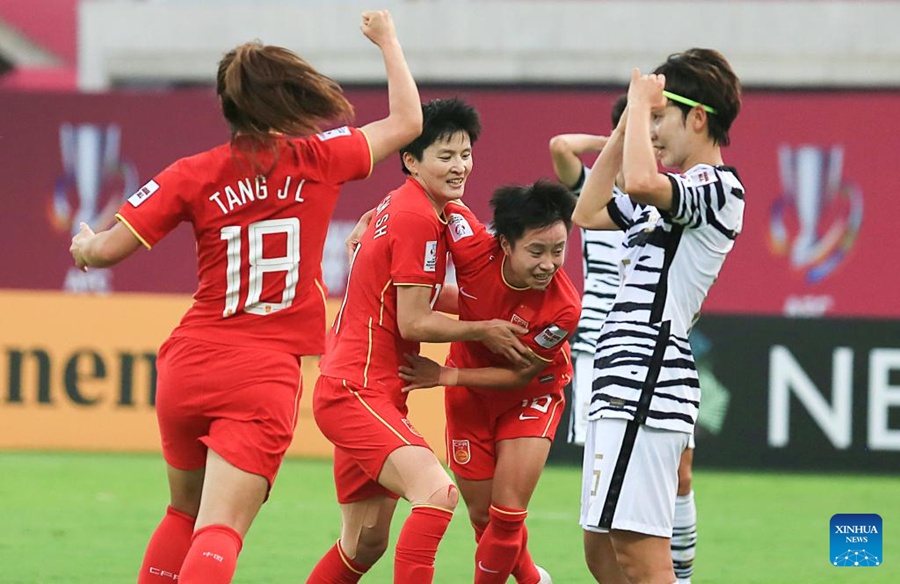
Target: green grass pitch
{"x":85,"y":518}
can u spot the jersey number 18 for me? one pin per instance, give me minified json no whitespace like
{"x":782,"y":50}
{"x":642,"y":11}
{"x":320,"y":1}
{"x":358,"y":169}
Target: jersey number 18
{"x":289,"y":263}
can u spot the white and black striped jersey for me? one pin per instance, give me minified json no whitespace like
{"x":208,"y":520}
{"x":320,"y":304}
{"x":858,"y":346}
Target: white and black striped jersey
{"x":643,"y":368}
{"x":601,"y":251}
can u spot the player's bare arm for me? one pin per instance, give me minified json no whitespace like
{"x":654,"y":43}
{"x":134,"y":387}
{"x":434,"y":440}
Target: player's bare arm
{"x":643,"y":181}
{"x":590,"y":210}
{"x":104,"y":249}
{"x":356,"y":234}
{"x":565,"y":150}
{"x":422,"y":373}
{"x":416,"y":321}
{"x":404,"y":120}
{"x":448,"y":299}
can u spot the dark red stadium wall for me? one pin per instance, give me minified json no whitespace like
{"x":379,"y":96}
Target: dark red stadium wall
{"x":758,"y":278}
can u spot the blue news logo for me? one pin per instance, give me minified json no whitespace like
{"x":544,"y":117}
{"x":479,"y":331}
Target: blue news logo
{"x":856,"y":540}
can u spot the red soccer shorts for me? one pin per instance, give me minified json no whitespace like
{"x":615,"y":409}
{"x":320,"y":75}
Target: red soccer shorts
{"x":365,"y":426}
{"x":241,"y":402}
{"x":477,"y":420}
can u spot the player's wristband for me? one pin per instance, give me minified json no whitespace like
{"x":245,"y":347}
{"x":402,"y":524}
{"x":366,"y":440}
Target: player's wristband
{"x":448,"y":376}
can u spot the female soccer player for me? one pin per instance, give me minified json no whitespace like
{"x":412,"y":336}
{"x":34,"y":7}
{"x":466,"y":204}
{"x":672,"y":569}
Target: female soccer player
{"x":229,"y":374}
{"x":678,"y":229}
{"x":501,"y":417}
{"x":396,"y":276}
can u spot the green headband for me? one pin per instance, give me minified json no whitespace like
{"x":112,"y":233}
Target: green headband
{"x":688,"y":101}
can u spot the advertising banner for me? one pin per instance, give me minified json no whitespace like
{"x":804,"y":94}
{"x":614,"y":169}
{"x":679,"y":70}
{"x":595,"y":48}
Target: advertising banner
{"x":798,"y":394}
{"x":78,"y":372}
{"x":817,"y":167}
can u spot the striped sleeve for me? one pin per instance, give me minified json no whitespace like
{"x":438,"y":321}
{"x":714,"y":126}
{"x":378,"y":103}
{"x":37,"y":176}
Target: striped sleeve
{"x":700,"y":198}
{"x":621,"y":209}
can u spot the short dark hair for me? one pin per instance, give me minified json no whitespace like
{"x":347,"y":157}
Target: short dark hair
{"x":441,"y":118}
{"x":704,"y":75}
{"x":618,"y":109}
{"x":518,"y":208}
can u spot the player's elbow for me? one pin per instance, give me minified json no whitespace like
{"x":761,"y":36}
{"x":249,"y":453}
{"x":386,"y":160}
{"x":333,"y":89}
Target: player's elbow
{"x":638,"y":183}
{"x":559,"y":145}
{"x":412,"y":330}
{"x":583,"y":219}
{"x":408,"y":126}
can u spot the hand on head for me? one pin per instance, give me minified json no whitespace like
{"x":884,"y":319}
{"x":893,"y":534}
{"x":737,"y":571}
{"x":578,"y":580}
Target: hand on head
{"x":646,"y":89}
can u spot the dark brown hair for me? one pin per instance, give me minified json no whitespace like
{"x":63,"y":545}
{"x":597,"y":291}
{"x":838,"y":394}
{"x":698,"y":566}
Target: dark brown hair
{"x":265,"y":88}
{"x":704,"y":75}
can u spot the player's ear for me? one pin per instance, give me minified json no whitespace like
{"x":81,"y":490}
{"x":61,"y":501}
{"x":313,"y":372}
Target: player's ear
{"x":698,"y":119}
{"x":411,"y":163}
{"x":505,"y":245}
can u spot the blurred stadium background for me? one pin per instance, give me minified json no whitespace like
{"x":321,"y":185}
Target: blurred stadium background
{"x":798,"y":344}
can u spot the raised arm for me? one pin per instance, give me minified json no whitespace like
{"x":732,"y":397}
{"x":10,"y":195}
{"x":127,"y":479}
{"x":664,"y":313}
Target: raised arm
{"x":404,"y":121}
{"x":565,"y":150}
{"x":104,"y":249}
{"x":643,"y":181}
{"x":597,"y":191}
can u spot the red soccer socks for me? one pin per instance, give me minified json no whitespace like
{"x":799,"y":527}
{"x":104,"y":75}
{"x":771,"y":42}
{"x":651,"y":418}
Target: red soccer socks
{"x":167,"y":547}
{"x":498,"y":550}
{"x":418,"y":544}
{"x":212,"y":558}
{"x":336,"y":568}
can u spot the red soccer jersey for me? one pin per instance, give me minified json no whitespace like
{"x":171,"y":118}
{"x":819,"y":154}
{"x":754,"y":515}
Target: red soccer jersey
{"x":550,"y":316}
{"x":403,"y":245}
{"x":259,"y":238}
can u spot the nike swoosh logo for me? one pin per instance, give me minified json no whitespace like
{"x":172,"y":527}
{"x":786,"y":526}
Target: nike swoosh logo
{"x":483,"y":569}
{"x":523,"y":417}
{"x":463,"y":292}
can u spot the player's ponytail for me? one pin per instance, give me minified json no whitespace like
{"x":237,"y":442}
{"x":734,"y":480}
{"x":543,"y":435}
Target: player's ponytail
{"x":268,"y":89}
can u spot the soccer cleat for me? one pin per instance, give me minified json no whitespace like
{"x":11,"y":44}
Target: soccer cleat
{"x":683,"y":581}
{"x":545,"y":576}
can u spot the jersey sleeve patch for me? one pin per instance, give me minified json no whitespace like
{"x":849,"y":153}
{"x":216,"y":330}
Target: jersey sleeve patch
{"x":701,"y":177}
{"x":335,"y":133}
{"x":459,"y":227}
{"x":430,"y":264}
{"x":551,"y":336}
{"x":143,"y":193}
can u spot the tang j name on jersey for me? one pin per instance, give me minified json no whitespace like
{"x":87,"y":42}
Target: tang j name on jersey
{"x":249,"y":190}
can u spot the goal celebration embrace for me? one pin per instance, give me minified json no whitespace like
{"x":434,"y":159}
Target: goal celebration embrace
{"x":658,"y":211}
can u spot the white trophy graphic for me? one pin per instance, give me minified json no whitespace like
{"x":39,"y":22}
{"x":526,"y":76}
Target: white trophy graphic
{"x":826,"y":210}
{"x":94,"y":183}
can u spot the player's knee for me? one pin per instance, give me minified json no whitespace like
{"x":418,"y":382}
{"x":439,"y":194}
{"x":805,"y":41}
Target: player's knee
{"x":445,"y":497}
{"x":593,"y":564}
{"x":478,"y":516}
{"x":370,"y":548}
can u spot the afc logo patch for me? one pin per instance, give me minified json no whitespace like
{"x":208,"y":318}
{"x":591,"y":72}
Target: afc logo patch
{"x":459,"y":227}
{"x":461,"y":452}
{"x":430,"y":264}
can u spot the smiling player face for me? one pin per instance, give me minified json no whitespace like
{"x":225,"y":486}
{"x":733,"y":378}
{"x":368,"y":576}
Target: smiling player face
{"x":533,"y":260}
{"x":444,"y":168}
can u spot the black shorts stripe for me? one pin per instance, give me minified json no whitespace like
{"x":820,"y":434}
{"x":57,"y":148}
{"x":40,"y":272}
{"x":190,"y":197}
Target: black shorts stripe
{"x":631,"y":429}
